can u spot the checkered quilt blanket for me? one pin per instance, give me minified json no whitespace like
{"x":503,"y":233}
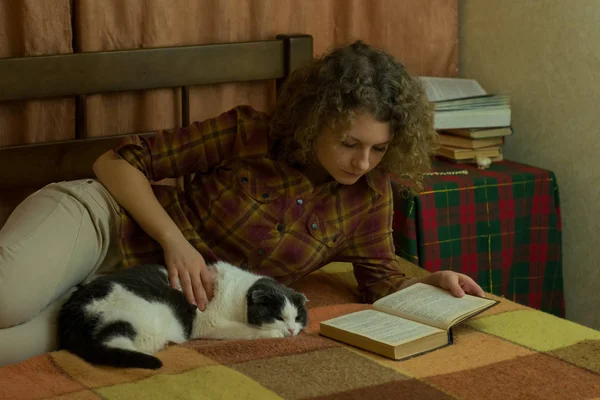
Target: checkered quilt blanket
{"x":508,"y":352}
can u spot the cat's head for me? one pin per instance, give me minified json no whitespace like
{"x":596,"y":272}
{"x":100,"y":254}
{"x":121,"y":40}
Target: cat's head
{"x":275,"y":306}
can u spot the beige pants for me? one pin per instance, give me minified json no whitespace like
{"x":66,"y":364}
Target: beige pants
{"x":58,"y":237}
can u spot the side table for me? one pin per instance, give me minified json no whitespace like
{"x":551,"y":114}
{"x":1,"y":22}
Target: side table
{"x":501,"y":226}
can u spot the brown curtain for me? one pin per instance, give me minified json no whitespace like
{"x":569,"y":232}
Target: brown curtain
{"x":31,"y":28}
{"x":421,"y":33}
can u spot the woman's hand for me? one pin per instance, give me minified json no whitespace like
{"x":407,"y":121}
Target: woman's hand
{"x":187,"y":267}
{"x":132,"y":190}
{"x":456,"y":283}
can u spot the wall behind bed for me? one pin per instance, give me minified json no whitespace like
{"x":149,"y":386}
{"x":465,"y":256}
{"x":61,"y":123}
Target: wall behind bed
{"x":421,"y":33}
{"x":33,"y":28}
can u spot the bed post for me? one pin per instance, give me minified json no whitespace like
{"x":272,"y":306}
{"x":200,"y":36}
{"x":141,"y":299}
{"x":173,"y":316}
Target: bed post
{"x":298,"y":51}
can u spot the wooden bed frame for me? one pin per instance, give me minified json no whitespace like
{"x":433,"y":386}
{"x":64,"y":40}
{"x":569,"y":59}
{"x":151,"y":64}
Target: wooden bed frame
{"x":35,"y":165}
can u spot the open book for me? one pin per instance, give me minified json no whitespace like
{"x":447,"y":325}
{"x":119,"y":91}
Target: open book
{"x":407,"y":323}
{"x":445,"y":89}
{"x":463,"y":103}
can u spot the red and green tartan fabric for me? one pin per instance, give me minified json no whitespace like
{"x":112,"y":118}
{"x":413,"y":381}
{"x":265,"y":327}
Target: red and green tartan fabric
{"x":501,"y":226}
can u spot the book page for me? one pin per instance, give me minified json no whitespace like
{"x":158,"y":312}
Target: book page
{"x":382,"y":327}
{"x":430,"y":304}
{"x":498,"y":101}
{"x":439,"y":89}
{"x":476,"y":118}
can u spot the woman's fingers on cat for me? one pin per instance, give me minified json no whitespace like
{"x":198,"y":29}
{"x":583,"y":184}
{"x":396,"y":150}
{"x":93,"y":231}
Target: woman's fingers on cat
{"x":186,"y":286}
{"x":207,"y":282}
{"x":174,"y":279}
{"x":199,"y":293}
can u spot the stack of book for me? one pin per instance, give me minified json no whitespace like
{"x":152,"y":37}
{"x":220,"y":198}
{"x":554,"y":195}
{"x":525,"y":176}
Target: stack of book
{"x":471,"y":123}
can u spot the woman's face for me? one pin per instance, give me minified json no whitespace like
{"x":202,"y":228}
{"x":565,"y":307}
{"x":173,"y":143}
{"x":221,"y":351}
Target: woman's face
{"x":349,"y":155}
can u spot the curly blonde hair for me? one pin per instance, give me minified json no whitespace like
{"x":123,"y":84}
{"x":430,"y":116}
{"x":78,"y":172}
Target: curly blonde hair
{"x":328,"y":93}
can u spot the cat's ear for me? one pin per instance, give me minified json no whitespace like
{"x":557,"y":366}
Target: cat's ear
{"x":260,"y":296}
{"x":300,"y":298}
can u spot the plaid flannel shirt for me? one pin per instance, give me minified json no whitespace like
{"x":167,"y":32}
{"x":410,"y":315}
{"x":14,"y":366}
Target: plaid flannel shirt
{"x":245,"y":208}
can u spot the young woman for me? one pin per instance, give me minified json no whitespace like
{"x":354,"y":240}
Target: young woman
{"x":280,"y":194}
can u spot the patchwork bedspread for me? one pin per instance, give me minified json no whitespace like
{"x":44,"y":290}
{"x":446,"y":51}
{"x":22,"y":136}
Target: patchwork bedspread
{"x":508,"y":352}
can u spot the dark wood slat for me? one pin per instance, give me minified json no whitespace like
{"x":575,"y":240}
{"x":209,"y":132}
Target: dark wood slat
{"x":298,"y":52}
{"x":101,"y":72}
{"x":80,"y":117}
{"x":185,"y":121}
{"x":36,"y":165}
{"x":185,"y":106}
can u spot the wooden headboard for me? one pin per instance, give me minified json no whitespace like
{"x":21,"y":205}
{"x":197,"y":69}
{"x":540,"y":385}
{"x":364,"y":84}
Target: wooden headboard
{"x":78,"y":75}
{"x":26,"y":168}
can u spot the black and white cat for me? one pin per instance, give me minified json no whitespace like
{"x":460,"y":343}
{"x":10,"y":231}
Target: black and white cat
{"x":124,"y":318}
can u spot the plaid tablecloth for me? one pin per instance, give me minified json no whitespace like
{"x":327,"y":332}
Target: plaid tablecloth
{"x":501,"y":226}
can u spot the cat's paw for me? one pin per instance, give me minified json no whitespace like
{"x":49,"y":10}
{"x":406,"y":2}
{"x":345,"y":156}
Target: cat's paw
{"x":271,"y":333}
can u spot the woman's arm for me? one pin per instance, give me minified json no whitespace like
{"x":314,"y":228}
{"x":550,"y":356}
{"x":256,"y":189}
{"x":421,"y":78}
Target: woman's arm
{"x":371,"y":250}
{"x":128,"y":170}
{"x":132,"y":190}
